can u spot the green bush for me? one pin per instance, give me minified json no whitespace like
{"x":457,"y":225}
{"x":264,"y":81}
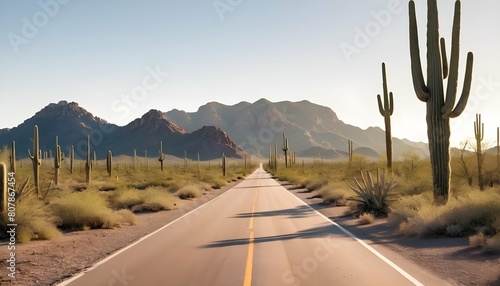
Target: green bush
{"x":34,"y":220}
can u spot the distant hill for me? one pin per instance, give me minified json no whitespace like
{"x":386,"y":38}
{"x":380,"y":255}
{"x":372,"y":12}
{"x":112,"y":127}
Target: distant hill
{"x":71,"y":123}
{"x":311,"y":128}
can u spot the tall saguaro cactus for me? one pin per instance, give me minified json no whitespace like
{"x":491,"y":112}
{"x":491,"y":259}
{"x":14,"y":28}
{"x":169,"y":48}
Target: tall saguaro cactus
{"x":3,"y":190}
{"x":88,"y":163}
{"x":479,"y":135}
{"x":162,"y":156}
{"x":36,"y":158}
{"x":349,"y":151}
{"x":439,"y":108}
{"x":285,"y":149}
{"x":109,"y":163}
{"x":223,"y":164}
{"x":71,"y":158}
{"x":386,"y":109}
{"x":498,"y":148}
{"x":12,"y":158}
{"x":58,"y":158}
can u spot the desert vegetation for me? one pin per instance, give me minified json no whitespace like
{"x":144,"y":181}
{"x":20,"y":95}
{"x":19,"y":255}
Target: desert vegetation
{"x":54,"y":195}
{"x":405,"y":196}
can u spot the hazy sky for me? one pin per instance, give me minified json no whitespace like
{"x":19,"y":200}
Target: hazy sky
{"x":120,"y":58}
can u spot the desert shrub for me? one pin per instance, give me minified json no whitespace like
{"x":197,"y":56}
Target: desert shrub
{"x":332,"y":193}
{"x":366,"y":218}
{"x":493,"y":242}
{"x":151,"y":199}
{"x":373,"y":197}
{"x":477,"y":240}
{"x":127,"y":216}
{"x":125,"y":198}
{"x":192,"y":190}
{"x":154,"y":199}
{"x":460,"y":216}
{"x":34,"y":220}
{"x":85,"y":209}
{"x":215,"y":181}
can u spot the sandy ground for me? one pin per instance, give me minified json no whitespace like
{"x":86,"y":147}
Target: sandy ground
{"x":49,"y":262}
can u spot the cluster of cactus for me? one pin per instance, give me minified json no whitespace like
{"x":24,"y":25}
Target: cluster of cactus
{"x":161,"y":157}
{"x":109,"y":163}
{"x":58,"y":158}
{"x":386,"y":108}
{"x":88,"y":163}
{"x":36,"y":159}
{"x":479,"y":135}
{"x":285,"y":149}
{"x":439,"y":108}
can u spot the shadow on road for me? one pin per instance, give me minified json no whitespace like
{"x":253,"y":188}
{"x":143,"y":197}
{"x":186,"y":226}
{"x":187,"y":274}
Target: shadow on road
{"x":316,"y":232}
{"x":298,"y":212}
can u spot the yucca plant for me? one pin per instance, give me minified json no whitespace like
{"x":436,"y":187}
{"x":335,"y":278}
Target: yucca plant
{"x":373,"y":197}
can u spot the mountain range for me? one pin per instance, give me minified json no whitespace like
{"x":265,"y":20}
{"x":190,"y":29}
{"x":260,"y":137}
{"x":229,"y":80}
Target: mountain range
{"x":72,"y":123}
{"x":312,"y":130}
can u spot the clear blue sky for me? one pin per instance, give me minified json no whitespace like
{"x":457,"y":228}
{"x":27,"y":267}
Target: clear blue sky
{"x":96,"y":52}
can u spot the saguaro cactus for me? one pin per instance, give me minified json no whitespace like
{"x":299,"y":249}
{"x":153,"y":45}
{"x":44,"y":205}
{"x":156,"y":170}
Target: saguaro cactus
{"x":3,"y":190}
{"x":12,"y":157}
{"x":223,"y":164}
{"x":58,"y":158}
{"x":386,"y":109}
{"x":498,"y":148}
{"x":71,"y":158}
{"x":349,"y":151}
{"x":479,"y":135}
{"x":88,"y":163}
{"x":135,"y":159}
{"x":285,"y":149}
{"x":109,"y":163}
{"x":439,"y":108}
{"x":36,"y":158}
{"x":162,"y":156}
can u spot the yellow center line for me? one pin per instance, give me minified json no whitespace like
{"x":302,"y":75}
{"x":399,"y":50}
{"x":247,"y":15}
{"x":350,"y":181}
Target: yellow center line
{"x":247,"y":281}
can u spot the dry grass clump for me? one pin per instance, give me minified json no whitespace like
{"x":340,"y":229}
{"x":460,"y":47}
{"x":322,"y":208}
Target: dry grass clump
{"x":34,"y":220}
{"x":87,"y":209}
{"x":460,"y":216}
{"x":332,"y":193}
{"x":366,"y":218}
{"x":151,"y":199}
{"x":192,"y":190}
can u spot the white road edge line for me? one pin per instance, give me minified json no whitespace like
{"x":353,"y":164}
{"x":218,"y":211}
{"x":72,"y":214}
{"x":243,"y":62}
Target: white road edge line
{"x":360,"y":241}
{"x":78,"y":275}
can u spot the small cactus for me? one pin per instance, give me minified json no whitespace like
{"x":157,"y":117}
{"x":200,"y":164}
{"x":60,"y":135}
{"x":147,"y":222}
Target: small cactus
{"x":13,"y":157}
{"x":71,"y":158}
{"x":109,"y":162}
{"x":223,"y":165}
{"x":36,"y":158}
{"x":3,"y":190}
{"x":285,"y":149}
{"x":479,"y":135}
{"x":88,"y":163}
{"x":162,"y":156}
{"x":58,"y":158}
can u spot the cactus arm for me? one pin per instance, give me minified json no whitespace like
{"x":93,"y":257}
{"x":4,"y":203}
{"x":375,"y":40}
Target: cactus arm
{"x":462,"y":103}
{"x":416,"y":67}
{"x":451,"y":91}
{"x":444,"y":58}
{"x":380,"y":107}
{"x":29,"y":155}
{"x":391,"y":103}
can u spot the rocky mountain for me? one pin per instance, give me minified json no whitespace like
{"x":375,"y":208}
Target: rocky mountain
{"x":71,"y":123}
{"x":311,"y":129}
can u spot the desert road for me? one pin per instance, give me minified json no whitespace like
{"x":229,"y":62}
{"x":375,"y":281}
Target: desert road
{"x":256,"y":233}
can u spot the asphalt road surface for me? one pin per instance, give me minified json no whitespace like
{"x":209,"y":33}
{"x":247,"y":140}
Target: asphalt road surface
{"x":256,"y":233}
